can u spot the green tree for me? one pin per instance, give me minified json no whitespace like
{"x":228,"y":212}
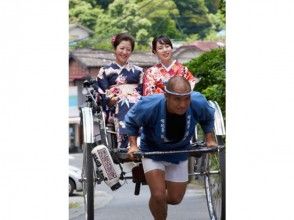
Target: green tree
{"x":161,"y":15}
{"x":102,"y":3}
{"x":222,"y":7}
{"x":187,"y":20}
{"x":218,"y":17}
{"x":210,"y":67}
{"x":201,"y":17}
{"x":212,"y":5}
{"x":123,"y":16}
{"x":218,"y":24}
{"x":84,"y":13}
{"x":193,"y":17}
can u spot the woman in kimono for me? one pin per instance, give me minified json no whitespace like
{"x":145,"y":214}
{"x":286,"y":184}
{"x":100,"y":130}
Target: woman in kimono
{"x":156,"y":76}
{"x":122,"y":83}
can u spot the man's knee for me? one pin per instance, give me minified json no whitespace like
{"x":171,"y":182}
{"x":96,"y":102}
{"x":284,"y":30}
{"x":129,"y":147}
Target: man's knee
{"x":174,"y":198}
{"x":174,"y":201}
{"x":159,"y":197}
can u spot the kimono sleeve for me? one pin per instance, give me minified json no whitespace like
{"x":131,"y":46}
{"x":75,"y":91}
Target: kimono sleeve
{"x":103,"y":83}
{"x":148,"y":82}
{"x":140,"y":83}
{"x":102,"y":79}
{"x":189,"y":76}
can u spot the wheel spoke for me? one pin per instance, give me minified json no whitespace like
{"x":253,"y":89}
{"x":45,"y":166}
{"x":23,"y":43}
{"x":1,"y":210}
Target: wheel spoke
{"x":214,"y":187}
{"x":88,"y":182}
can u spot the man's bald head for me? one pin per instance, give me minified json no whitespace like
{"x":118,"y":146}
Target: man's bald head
{"x":178,"y":95}
{"x":179,"y":85}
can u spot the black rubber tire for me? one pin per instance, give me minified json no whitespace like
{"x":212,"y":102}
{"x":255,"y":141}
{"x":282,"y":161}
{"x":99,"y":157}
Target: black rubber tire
{"x":72,"y":186}
{"x":213,"y":187}
{"x":214,"y":173}
{"x":222,"y":158}
{"x":88,"y":183}
{"x":214,"y":183}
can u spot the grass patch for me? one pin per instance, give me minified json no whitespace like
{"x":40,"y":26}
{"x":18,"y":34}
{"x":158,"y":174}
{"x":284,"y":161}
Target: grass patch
{"x":73,"y":205}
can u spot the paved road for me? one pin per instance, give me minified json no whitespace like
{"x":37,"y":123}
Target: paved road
{"x":124,"y":205}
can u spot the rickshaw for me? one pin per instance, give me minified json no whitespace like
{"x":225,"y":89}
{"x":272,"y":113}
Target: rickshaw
{"x":206,"y":163}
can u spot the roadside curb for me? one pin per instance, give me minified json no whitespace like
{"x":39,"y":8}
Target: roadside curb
{"x":76,"y":203}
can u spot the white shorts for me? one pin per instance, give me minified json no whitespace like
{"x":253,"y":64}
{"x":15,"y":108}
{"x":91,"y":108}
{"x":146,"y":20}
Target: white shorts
{"x":173,"y":172}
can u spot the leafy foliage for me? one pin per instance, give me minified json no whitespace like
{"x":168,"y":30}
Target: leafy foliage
{"x":180,"y":20}
{"x":212,"y":5}
{"x":193,"y":17}
{"x":121,"y":16}
{"x":210,"y":67}
{"x":84,"y":13}
{"x":161,"y":15}
{"x":103,"y":3}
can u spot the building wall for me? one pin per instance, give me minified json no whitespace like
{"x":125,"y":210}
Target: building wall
{"x":93,"y":71}
{"x":76,"y":71}
{"x":77,"y":74}
{"x":74,"y":117}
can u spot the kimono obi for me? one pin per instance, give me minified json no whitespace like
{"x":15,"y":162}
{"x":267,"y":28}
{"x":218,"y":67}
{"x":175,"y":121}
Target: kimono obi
{"x":125,"y":89}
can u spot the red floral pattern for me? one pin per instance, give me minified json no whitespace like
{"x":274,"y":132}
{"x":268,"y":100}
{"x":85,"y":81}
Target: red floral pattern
{"x":156,"y":77}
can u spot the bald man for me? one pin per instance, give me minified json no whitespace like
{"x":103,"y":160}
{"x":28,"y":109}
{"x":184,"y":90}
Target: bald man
{"x":168,"y":123}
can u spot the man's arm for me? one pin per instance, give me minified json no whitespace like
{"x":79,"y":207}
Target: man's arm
{"x":133,"y":146}
{"x":210,"y":140}
{"x":206,"y":118}
{"x":133,"y":122}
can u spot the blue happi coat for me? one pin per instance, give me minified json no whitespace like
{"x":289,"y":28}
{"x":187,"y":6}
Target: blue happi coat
{"x":150,"y":114}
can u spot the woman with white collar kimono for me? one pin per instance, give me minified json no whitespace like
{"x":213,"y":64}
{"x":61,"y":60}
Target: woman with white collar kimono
{"x":122,"y":83}
{"x":156,"y":76}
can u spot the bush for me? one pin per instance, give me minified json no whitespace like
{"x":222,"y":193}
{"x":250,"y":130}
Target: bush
{"x":210,"y":67}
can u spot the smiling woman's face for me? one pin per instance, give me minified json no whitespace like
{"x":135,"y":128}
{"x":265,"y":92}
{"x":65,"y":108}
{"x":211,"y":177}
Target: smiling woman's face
{"x":123,"y":52}
{"x":164,"y":52}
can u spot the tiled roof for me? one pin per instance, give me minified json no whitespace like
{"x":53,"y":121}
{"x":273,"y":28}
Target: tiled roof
{"x":73,"y":26}
{"x":97,"y":58}
{"x":94,"y":58}
{"x":206,"y":45}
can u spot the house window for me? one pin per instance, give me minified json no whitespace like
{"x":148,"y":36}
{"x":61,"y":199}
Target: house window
{"x":72,"y":135}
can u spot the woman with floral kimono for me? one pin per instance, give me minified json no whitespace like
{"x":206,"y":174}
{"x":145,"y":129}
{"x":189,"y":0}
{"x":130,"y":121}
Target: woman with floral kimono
{"x":122,"y":83}
{"x":156,"y":76}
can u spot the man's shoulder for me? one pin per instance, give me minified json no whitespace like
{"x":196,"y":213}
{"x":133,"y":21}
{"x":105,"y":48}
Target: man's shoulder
{"x":147,"y":106}
{"x":198,"y":98}
{"x":196,"y":95}
{"x":152,"y":99}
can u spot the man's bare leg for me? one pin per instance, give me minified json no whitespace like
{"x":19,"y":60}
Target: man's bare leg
{"x":158,"y":201}
{"x":175,"y":192}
